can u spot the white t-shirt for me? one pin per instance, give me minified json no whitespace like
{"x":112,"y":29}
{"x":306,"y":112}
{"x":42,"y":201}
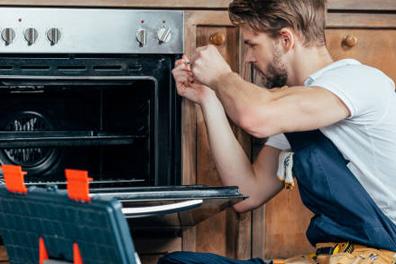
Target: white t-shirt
{"x":368,"y":137}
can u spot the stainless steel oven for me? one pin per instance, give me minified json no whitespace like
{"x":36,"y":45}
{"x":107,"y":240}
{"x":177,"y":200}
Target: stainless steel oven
{"x":91,"y":89}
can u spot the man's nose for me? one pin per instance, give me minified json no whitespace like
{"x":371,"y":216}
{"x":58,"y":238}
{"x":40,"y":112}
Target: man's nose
{"x":249,"y":58}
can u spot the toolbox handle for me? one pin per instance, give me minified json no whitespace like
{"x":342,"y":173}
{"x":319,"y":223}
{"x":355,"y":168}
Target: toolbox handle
{"x":137,"y":212}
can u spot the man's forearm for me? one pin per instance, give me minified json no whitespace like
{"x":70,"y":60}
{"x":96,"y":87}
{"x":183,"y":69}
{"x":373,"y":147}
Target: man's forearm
{"x":231,"y":161}
{"x":238,"y":95}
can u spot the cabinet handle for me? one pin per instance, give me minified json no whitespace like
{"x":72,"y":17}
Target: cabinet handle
{"x":217,"y":39}
{"x":350,"y":41}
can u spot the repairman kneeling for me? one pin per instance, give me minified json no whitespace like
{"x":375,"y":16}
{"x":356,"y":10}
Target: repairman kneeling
{"x":338,"y":118}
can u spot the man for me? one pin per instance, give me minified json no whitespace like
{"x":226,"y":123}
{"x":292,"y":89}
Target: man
{"x":339,"y":119}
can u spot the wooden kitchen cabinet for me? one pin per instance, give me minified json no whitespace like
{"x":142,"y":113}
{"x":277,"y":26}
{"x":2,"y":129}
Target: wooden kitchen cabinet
{"x":355,"y":30}
{"x":278,"y":228}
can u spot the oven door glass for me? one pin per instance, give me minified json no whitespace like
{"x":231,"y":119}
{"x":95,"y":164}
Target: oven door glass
{"x":104,"y":125}
{"x":114,"y":115}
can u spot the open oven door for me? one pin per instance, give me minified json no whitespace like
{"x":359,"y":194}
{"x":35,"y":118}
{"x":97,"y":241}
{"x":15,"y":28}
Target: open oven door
{"x":172,"y":207}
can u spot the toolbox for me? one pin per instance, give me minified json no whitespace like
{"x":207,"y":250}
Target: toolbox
{"x":50,"y":226}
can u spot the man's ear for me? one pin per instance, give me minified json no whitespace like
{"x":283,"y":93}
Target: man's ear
{"x":287,"y":39}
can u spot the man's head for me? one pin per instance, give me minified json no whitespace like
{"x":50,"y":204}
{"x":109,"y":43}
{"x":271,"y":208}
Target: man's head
{"x":272,"y":29}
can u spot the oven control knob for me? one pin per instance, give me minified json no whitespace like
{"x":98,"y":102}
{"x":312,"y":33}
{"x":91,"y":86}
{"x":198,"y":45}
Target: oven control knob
{"x":164,"y":34}
{"x":31,"y":35}
{"x":8,"y":35}
{"x":141,"y":37}
{"x":54,"y":36}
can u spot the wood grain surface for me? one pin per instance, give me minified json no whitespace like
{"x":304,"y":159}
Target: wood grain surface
{"x":376,"y":5}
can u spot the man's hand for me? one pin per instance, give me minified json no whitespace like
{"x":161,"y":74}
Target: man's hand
{"x":208,"y":65}
{"x":186,"y":85}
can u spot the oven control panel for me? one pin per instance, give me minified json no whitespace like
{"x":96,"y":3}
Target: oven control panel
{"x":72,"y":30}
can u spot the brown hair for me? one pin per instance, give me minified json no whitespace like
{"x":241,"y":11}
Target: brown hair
{"x":306,"y":17}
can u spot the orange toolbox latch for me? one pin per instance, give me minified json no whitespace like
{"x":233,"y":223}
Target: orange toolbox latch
{"x":14,"y":178}
{"x":78,"y":185}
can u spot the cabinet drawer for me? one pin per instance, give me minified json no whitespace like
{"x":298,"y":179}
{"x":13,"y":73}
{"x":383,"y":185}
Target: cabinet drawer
{"x":374,"y":47}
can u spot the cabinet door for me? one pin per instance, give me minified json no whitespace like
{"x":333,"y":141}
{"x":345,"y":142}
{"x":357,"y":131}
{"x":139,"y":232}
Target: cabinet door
{"x":369,"y":38}
{"x":226,"y":233}
{"x":280,"y":227}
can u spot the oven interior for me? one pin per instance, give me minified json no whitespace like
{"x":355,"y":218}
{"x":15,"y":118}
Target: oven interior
{"x":115,"y":117}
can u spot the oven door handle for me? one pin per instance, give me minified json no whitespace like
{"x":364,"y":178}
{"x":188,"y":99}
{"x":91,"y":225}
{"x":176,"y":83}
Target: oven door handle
{"x":137,"y":212}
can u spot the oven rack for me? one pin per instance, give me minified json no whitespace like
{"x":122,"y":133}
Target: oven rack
{"x":34,"y":139}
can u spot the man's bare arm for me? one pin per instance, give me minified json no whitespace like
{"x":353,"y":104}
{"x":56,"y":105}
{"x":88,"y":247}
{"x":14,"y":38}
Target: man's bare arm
{"x":266,"y":183}
{"x":263,"y":113}
{"x":259,"y":180}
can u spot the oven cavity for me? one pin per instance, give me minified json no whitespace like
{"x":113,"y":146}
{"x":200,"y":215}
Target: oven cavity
{"x":113,"y":116}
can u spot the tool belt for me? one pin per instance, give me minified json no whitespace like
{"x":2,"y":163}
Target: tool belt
{"x":342,"y":253}
{"x":370,"y":255}
{"x":335,"y":248}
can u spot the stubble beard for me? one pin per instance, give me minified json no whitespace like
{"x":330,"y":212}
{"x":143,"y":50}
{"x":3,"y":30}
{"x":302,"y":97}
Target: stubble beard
{"x":276,"y":75}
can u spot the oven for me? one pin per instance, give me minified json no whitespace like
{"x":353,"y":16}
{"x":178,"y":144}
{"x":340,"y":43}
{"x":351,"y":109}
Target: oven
{"x":91,"y":89}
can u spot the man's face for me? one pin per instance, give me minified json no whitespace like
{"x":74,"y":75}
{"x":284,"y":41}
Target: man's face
{"x":265,"y":54}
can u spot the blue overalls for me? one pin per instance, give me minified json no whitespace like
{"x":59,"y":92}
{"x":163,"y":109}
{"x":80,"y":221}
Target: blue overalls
{"x":344,"y":211}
